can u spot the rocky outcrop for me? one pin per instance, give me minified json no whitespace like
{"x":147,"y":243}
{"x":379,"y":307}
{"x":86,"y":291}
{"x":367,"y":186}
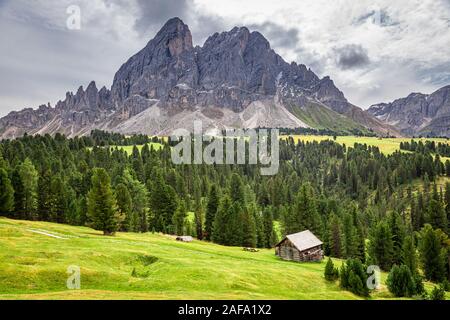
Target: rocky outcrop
{"x":418,"y":114}
{"x":231,"y":72}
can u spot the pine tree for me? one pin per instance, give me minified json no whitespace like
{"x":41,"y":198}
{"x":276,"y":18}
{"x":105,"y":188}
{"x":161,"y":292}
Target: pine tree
{"x":179,"y":219}
{"x":102,"y":208}
{"x":6,"y":193}
{"x":58,"y":199}
{"x":400,"y":281}
{"x":409,"y":254}
{"x":335,"y":237}
{"x":270,"y":240}
{"x":398,"y":234}
{"x":29,"y":181}
{"x":124,"y":205}
{"x":44,"y":195}
{"x":381,"y":246}
{"x":436,"y":215}
{"x":221,"y":222}
{"x":237,"y":189}
{"x":433,"y":255}
{"x":305,"y":211}
{"x":211,"y":211}
{"x":447,"y":204}
{"x":350,"y":237}
{"x":248,"y":228}
{"x":331,"y":273}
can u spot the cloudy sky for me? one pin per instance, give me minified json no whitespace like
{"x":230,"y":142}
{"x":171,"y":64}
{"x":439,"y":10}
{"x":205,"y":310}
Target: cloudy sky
{"x":375,"y":51}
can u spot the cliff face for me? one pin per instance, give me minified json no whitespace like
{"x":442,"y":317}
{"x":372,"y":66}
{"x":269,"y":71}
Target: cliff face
{"x":170,"y":82}
{"x":418,"y":114}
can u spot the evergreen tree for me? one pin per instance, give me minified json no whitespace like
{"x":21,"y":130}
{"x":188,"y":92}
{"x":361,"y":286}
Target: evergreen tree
{"x":102,"y":208}
{"x":353,"y":277}
{"x":447,"y":203}
{"x":179,"y":219}
{"x":270,"y":239}
{"x":58,"y":199}
{"x":211,"y":211}
{"x":6,"y":193}
{"x":436,"y":215}
{"x":248,"y":228}
{"x":409,"y":254}
{"x":45,"y":195}
{"x":381,"y":246}
{"x":29,"y":182}
{"x":433,"y":255}
{"x":163,"y":204}
{"x":331,"y":273}
{"x":124,"y":205}
{"x":221,"y":222}
{"x":398,"y":234}
{"x":350,"y":237}
{"x":335,"y":237}
{"x":400,"y":281}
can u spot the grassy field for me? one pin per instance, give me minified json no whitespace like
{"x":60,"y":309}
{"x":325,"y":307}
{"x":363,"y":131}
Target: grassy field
{"x":33,"y":265}
{"x":386,"y":145}
{"x":129,"y":149}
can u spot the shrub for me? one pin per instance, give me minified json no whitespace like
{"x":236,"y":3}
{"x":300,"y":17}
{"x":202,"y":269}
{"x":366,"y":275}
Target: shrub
{"x":331,"y":273}
{"x":438,"y":293}
{"x":354,"y":278}
{"x":401,"y":282}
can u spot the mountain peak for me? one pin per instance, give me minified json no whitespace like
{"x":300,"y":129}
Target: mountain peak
{"x":175,"y":34}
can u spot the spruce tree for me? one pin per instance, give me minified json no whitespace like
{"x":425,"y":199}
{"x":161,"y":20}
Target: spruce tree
{"x":211,"y":211}
{"x":221,"y":222}
{"x":432,"y":254}
{"x":124,"y":205}
{"x":335,"y":237}
{"x":6,"y":193}
{"x":400,"y":281}
{"x":381,"y":246}
{"x":29,"y":182}
{"x":331,"y":273}
{"x":409,"y":254}
{"x":101,"y":204}
{"x":396,"y":226}
{"x":179,"y":219}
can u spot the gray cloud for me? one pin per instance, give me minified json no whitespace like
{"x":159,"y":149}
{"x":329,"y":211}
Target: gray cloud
{"x":154,"y":13}
{"x":279,"y":36}
{"x":351,"y":56}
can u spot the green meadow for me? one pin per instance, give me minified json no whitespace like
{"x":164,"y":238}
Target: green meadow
{"x":34,"y":257}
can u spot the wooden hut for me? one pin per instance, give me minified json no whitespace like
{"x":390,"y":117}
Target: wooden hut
{"x":302,"y":247}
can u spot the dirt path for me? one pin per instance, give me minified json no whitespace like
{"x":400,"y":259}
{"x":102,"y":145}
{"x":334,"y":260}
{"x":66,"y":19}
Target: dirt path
{"x":46,"y":234}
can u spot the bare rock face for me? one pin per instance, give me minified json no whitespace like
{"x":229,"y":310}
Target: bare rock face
{"x":175,"y":81}
{"x":418,"y":114}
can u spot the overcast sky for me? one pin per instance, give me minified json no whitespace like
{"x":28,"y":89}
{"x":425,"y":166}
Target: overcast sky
{"x":375,"y":51}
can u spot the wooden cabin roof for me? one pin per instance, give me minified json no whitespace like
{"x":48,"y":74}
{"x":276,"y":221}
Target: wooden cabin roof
{"x":303,"y":240}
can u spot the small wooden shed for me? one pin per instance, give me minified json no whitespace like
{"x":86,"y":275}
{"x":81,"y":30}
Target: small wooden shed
{"x":302,"y":247}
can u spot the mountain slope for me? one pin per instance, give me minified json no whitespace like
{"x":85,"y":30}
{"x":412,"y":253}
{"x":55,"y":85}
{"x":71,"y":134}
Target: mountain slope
{"x":418,"y":114}
{"x":234,"y":80}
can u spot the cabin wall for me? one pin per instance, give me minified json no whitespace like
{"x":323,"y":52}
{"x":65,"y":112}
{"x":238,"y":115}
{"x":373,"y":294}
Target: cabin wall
{"x":287,"y":251}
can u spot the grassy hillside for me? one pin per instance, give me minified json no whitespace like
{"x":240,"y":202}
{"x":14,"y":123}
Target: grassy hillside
{"x":320,"y":117}
{"x":144,"y":266}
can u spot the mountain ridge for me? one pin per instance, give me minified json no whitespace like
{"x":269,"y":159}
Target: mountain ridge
{"x":170,"y":81}
{"x":418,"y":113}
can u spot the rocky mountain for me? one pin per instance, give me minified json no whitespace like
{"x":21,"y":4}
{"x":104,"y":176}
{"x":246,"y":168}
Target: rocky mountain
{"x":234,"y":80}
{"x":418,"y":114}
